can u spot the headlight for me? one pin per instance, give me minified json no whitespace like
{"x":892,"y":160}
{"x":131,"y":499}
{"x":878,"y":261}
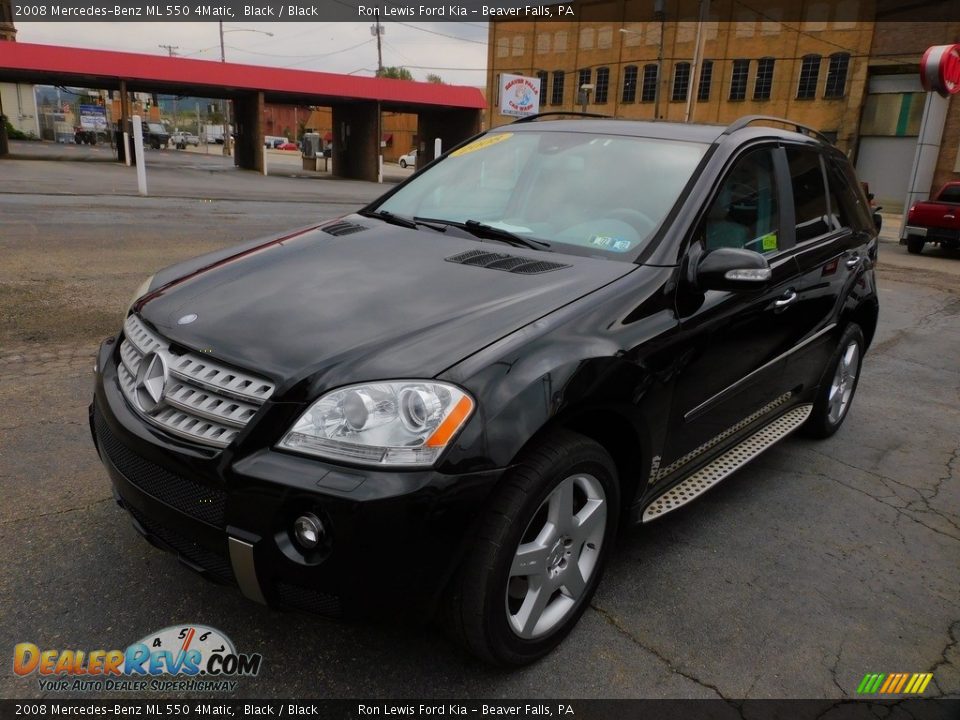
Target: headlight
{"x":139,"y":293}
{"x":406,"y":422}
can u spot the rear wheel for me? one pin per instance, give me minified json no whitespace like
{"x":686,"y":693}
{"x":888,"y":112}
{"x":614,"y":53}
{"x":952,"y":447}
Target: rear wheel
{"x":539,"y":552}
{"x":838,"y":385}
{"x":915,"y":244}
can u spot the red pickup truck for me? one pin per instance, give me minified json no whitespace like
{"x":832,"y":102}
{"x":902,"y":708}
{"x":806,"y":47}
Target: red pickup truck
{"x":934,"y":221}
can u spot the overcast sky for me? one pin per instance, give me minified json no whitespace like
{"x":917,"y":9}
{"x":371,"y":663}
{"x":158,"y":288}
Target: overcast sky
{"x":457,"y":52}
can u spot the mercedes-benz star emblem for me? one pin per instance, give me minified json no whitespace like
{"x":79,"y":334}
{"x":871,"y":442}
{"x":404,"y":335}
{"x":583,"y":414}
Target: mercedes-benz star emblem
{"x":151,"y":379}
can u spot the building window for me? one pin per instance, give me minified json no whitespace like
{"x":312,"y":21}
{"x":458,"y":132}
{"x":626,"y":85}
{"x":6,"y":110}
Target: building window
{"x":738,"y":80}
{"x":681,"y":81}
{"x":518,"y":45}
{"x":603,"y":85}
{"x":583,"y":78}
{"x":648,"y":92}
{"x":706,"y":77}
{"x":586,"y":38}
{"x":629,"y":84}
{"x":605,"y":38}
{"x":544,"y":84}
{"x":560,"y":41}
{"x":556,"y":97}
{"x":543,"y":43}
{"x":764,"y":81}
{"x":634,"y":34}
{"x":809,"y":77}
{"x":837,"y":75}
{"x":503,"y":46}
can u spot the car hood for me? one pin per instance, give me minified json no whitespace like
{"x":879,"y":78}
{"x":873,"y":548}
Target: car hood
{"x":380,"y":302}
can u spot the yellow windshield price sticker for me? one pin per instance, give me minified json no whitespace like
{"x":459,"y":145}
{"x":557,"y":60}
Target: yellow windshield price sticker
{"x":482,"y":144}
{"x":769,"y":241}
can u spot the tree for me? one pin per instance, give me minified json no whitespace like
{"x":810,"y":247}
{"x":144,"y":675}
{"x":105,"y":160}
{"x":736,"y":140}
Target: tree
{"x":395,"y":73}
{"x":436,"y":79}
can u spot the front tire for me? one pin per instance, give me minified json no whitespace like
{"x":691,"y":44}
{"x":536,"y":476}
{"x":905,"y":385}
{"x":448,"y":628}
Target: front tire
{"x":838,"y":386}
{"x":915,"y":245}
{"x":539,"y":552}
{"x":403,"y":164}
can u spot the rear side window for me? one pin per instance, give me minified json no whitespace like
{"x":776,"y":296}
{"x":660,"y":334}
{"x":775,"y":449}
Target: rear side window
{"x":847,"y":202}
{"x":809,"y":193}
{"x":950,"y":194}
{"x":745,"y":213}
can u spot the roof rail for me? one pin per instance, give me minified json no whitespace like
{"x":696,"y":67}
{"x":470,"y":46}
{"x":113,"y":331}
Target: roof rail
{"x":538,"y":116}
{"x":746,"y":120}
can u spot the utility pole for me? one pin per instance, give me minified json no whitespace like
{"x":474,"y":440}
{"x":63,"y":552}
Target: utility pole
{"x":694,"y":85}
{"x":226,"y":103}
{"x":171,"y":52}
{"x":660,"y":15}
{"x":378,"y":30}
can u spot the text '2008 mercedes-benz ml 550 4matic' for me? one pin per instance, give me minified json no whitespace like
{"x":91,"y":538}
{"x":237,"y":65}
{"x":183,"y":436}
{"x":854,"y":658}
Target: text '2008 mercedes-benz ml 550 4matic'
{"x":451,"y":400}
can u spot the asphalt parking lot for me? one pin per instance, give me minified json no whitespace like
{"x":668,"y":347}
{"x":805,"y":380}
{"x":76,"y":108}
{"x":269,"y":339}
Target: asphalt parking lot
{"x":818,"y":563}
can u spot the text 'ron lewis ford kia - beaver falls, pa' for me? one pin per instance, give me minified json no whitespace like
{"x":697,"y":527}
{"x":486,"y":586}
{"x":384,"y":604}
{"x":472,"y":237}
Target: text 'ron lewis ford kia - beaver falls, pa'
{"x":448,"y":403}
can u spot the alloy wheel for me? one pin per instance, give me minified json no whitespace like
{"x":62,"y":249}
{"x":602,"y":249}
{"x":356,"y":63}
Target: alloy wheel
{"x":556,"y":557}
{"x":843,"y":383}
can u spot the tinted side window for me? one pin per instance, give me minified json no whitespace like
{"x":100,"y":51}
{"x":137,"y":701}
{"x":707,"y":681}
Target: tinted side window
{"x":745,"y":213}
{"x":809,"y":193}
{"x":846,"y":202}
{"x":950,"y":194}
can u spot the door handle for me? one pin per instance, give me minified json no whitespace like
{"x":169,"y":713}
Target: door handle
{"x":788,"y":297}
{"x":853,"y":261}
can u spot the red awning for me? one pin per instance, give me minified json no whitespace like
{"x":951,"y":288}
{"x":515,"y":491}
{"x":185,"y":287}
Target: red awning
{"x":388,"y":138}
{"x":328,"y":137}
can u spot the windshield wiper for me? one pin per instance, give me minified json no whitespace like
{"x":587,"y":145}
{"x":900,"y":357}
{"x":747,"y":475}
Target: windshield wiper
{"x":479,"y":229}
{"x":389,"y":217}
{"x":401,"y":220}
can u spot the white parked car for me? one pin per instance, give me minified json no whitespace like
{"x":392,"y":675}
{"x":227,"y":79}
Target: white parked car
{"x":409,"y":159}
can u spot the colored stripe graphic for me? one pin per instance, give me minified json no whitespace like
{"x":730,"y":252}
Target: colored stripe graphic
{"x":894,"y":683}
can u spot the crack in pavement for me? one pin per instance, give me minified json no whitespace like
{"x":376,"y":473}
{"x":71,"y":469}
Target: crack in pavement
{"x":613,"y":622}
{"x":901,"y":511}
{"x":56,"y":512}
{"x":944,"y":660}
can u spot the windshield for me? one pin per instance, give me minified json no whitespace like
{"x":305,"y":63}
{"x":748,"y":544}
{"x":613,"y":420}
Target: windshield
{"x":604,"y":193}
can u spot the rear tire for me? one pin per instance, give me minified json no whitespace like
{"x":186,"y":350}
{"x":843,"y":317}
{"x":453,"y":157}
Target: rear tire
{"x":837,"y":386}
{"x":539,"y":552}
{"x":915,"y":245}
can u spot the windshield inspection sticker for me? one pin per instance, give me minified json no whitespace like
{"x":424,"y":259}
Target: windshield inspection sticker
{"x":769,"y":241}
{"x":482,"y":143}
{"x":607,"y":242}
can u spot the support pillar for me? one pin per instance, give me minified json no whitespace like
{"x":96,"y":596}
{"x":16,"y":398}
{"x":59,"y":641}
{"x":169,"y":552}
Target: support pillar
{"x":4,"y":140}
{"x":248,"y":121}
{"x":123,"y":124}
{"x":928,"y":150}
{"x":452,"y":126}
{"x":356,"y":140}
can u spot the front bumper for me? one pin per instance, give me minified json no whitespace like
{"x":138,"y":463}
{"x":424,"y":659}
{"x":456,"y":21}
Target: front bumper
{"x":393,"y":537}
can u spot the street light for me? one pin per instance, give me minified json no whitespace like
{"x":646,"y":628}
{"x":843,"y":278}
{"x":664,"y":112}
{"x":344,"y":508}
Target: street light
{"x":227,"y":139}
{"x":585,"y":91}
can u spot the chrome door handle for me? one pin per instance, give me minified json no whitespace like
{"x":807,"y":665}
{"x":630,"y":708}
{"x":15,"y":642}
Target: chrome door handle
{"x":788,"y":297}
{"x":853,"y":261}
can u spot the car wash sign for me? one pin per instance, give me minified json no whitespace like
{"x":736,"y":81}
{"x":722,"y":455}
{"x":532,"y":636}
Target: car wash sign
{"x":93,"y":117}
{"x":519,"y":95}
{"x":940,"y":69}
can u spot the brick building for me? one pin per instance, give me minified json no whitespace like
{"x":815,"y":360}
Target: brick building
{"x":829,"y":64}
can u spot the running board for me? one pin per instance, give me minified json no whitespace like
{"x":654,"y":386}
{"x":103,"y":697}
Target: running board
{"x":725,"y":465}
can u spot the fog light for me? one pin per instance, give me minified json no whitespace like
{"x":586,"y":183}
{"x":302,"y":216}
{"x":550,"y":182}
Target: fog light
{"x":309,"y":531}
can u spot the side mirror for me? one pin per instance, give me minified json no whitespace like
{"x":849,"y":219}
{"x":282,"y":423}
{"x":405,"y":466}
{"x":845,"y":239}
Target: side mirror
{"x":733,"y":269}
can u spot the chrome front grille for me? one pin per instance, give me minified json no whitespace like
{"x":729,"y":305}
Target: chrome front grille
{"x":203,"y":400}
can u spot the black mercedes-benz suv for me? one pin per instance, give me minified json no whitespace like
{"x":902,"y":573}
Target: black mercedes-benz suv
{"x":452,"y":399}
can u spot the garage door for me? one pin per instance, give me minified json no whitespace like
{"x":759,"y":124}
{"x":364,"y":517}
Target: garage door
{"x":885,"y":163}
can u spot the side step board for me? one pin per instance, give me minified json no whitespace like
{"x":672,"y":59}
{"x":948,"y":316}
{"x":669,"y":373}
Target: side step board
{"x":725,"y":465}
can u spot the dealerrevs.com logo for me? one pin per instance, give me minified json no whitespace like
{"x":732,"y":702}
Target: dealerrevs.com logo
{"x":178,"y":658}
